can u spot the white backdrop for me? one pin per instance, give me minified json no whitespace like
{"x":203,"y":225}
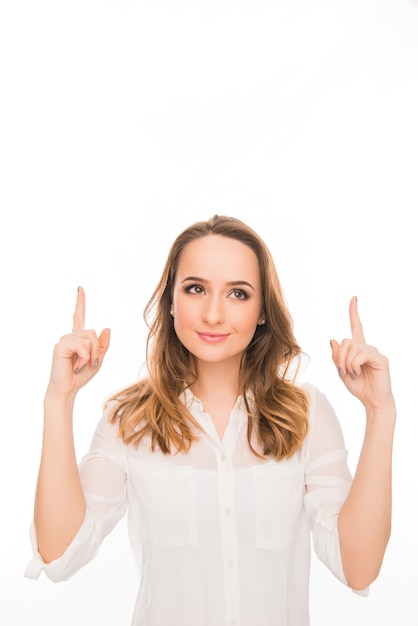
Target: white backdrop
{"x":122,"y":122}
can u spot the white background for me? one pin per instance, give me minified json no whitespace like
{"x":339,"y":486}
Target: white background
{"x":121,"y":123}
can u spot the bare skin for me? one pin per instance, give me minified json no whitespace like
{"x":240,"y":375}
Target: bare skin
{"x":217,"y":303}
{"x":59,"y":502}
{"x":218,"y":394}
{"x":365,"y":518}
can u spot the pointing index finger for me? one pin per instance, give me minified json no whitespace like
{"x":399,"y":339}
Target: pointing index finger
{"x":80,"y":310}
{"x":355,"y":322}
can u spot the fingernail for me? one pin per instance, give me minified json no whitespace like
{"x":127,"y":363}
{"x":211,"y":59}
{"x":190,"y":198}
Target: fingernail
{"x":96,"y":362}
{"x":352,"y":375}
{"x":79,"y":369}
{"x":341,"y":373}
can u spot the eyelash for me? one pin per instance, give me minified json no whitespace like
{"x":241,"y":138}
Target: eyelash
{"x":189,"y":288}
{"x":244,"y":294}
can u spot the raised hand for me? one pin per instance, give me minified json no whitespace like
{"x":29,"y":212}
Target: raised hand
{"x":364,"y":371}
{"x":79,"y":355}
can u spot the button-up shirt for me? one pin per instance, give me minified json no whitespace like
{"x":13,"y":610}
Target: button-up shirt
{"x":221,"y":536}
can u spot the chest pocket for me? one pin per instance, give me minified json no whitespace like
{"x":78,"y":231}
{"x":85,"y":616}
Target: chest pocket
{"x":279,"y":491}
{"x":167,"y":503}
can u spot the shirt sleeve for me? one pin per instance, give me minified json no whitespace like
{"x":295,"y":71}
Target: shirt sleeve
{"x":103,"y":477}
{"x":328,"y":482}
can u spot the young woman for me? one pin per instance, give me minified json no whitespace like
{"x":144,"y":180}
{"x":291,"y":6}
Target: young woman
{"x":224,"y":463}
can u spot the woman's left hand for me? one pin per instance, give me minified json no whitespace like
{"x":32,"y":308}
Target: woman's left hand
{"x":364,"y":371}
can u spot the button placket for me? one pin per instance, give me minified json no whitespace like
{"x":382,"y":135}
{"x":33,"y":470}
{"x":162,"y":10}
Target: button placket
{"x":229,"y":536}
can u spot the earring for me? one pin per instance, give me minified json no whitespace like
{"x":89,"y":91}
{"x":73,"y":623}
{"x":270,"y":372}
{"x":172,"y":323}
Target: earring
{"x":261,"y":322}
{"x":172,"y":312}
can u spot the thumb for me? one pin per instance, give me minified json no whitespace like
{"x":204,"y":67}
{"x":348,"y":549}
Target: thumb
{"x":104,"y":341}
{"x":334,"y":348}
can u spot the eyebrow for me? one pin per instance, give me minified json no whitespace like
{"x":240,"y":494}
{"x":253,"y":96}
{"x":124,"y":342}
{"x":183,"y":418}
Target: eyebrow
{"x":231,"y":283}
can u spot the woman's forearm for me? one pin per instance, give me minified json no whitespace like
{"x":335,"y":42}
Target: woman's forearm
{"x":59,"y":502}
{"x":365,"y":518}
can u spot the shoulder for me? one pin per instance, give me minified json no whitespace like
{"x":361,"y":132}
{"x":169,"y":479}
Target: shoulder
{"x":317,"y":397}
{"x":107,"y":428}
{"x":323,"y":420}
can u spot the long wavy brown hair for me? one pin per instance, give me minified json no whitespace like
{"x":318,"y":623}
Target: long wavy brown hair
{"x":154,"y":407}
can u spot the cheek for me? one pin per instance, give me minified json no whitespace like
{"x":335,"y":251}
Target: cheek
{"x":184,"y":323}
{"x":247,"y":320}
{"x":184,"y":312}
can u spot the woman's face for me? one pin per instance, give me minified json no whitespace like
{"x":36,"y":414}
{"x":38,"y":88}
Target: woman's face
{"x":217,"y":300}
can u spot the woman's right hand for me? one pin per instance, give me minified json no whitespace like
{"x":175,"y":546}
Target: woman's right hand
{"x":77,"y":356}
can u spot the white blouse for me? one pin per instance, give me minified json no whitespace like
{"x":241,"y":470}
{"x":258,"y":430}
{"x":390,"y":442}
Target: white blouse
{"x":221,"y":537}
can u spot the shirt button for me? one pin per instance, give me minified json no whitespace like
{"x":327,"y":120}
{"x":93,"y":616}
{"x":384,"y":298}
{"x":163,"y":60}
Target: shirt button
{"x":230,"y":563}
{"x":227,"y":509}
{"x":233,"y":621}
{"x":223,"y":457}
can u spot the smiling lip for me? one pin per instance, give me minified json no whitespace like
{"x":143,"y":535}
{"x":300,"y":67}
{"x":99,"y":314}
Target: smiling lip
{"x":213,"y":337}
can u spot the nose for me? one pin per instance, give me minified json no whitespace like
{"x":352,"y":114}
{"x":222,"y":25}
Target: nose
{"x":213,"y":312}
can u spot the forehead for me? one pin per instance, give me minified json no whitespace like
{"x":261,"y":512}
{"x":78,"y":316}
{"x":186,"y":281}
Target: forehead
{"x":216,"y":257}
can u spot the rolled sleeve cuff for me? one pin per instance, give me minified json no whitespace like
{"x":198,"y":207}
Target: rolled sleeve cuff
{"x":327,"y":547}
{"x":80,"y":551}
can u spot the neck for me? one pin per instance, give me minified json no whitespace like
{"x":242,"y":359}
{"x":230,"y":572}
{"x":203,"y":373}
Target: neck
{"x":215,"y":380}
{"x":217,"y":387}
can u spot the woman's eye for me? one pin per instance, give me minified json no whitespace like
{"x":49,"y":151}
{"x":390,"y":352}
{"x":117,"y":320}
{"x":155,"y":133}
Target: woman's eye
{"x":239,"y":294}
{"x":197,"y":289}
